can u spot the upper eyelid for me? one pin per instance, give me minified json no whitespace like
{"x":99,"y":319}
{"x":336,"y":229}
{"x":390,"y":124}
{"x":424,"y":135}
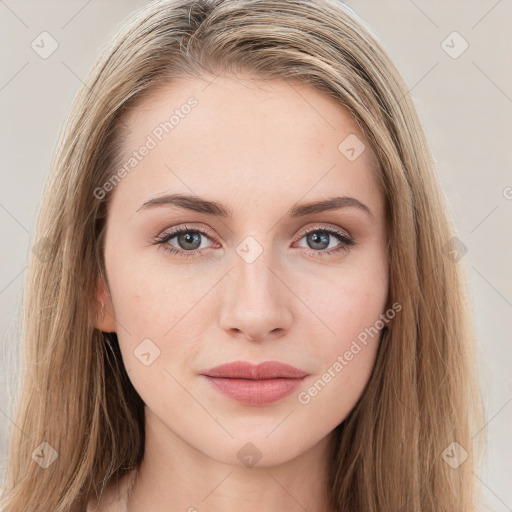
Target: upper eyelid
{"x":327,"y":228}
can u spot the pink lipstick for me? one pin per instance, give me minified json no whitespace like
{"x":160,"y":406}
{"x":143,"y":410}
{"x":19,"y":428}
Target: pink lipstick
{"x":252,"y":384}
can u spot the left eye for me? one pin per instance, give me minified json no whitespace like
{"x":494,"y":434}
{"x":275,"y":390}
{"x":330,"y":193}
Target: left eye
{"x":319,"y":239}
{"x":189,"y":241}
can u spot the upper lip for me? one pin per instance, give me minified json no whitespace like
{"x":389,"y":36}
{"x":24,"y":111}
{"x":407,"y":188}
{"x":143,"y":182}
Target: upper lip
{"x":261,"y":371}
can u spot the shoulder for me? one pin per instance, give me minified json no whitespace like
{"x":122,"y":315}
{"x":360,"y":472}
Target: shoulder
{"x":113,"y":498}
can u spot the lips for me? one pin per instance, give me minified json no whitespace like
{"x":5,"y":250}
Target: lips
{"x":255,"y":384}
{"x":246,"y":370}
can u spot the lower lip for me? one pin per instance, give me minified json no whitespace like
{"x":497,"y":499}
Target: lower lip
{"x":255,"y":392}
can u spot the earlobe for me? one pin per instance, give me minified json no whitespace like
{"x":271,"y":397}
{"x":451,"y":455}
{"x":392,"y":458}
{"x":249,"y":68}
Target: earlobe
{"x":104,"y":312}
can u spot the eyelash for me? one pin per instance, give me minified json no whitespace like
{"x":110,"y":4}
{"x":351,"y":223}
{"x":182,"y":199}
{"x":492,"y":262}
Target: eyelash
{"x":168,"y":235}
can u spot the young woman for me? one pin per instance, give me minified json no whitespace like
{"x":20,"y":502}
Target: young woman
{"x":244,"y":294}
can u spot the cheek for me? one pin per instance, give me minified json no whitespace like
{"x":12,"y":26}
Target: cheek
{"x":345,"y":358}
{"x":149,"y":298}
{"x":350,"y":305}
{"x":155,"y":305}
{"x":349,"y":302}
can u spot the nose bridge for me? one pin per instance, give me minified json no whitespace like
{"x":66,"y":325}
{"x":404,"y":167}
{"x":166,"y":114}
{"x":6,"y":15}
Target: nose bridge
{"x":257,"y":300}
{"x":254,"y":274}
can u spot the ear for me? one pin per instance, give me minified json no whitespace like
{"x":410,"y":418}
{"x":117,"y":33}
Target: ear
{"x":105,"y":319}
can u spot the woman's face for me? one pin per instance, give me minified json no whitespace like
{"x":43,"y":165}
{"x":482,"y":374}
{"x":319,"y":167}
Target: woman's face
{"x":258,"y":274}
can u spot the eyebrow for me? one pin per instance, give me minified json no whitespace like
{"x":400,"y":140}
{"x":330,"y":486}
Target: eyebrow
{"x":197,"y":204}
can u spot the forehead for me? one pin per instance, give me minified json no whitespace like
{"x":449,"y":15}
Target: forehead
{"x":243,"y":136}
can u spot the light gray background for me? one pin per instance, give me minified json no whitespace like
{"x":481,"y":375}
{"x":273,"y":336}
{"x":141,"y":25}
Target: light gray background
{"x":465,"y":104}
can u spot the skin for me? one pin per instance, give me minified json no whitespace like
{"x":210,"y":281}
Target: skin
{"x":258,"y":147}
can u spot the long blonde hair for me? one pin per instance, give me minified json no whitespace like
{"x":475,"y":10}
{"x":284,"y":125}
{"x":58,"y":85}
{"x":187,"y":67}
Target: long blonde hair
{"x":76,"y":396}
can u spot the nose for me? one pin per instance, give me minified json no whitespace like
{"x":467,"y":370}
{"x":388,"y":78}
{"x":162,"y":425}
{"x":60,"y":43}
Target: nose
{"x":256,"y":301}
